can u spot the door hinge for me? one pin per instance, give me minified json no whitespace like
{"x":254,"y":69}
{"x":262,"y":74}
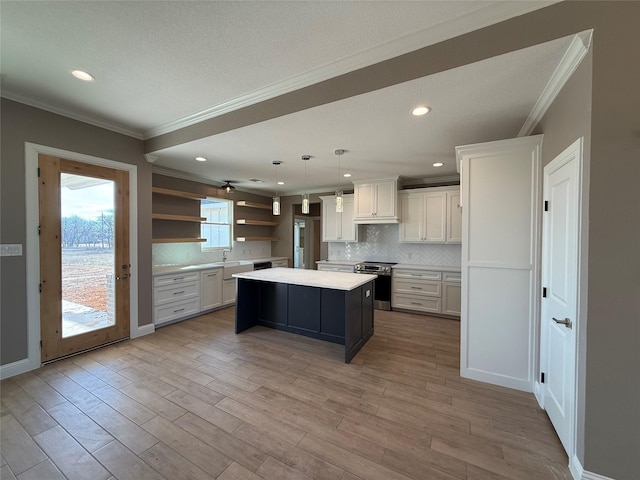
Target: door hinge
{"x":544,"y":292}
{"x":40,"y":344}
{"x":541,"y":377}
{"x":546,"y":205}
{"x":40,"y":288}
{"x":39,"y":229}
{"x":38,"y":172}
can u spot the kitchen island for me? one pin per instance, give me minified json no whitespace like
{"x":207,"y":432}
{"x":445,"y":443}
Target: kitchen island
{"x":336,"y":307}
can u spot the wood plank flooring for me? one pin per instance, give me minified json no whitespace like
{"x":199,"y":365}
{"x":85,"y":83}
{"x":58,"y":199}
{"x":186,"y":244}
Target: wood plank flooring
{"x":195,"y":401}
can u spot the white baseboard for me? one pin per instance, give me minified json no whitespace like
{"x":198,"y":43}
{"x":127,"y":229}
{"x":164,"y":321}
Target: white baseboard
{"x":16,"y":368}
{"x":142,"y":331}
{"x":579,"y":473}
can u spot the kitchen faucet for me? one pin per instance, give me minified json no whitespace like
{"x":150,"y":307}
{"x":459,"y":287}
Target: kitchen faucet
{"x":224,"y":254}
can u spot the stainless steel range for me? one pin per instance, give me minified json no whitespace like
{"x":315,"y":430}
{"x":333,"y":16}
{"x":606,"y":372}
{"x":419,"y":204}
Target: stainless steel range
{"x":382,"y":284}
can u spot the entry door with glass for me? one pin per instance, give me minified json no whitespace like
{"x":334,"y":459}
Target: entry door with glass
{"x":84,"y":256}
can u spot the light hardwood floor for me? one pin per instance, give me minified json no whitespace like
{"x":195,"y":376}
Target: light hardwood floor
{"x":196,"y":401}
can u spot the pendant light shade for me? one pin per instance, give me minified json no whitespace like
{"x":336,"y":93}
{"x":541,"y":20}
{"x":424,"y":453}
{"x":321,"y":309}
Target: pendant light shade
{"x":339,"y":204}
{"x":275,"y":205}
{"x":305,"y":195}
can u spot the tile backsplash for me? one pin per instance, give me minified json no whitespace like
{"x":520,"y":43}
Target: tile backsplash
{"x":381,"y":244}
{"x":191,"y":253}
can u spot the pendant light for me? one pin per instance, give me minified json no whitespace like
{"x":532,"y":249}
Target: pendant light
{"x":276,"y":199}
{"x":339,"y":205}
{"x":305,"y":195}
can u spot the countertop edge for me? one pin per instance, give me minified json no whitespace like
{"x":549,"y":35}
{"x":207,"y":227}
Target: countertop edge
{"x":273,"y":276}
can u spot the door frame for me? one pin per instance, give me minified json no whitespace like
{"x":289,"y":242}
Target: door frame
{"x":575,"y":151}
{"x":32,"y":151}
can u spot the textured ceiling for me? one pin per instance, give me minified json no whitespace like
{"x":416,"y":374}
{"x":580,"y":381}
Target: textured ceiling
{"x":160,"y":65}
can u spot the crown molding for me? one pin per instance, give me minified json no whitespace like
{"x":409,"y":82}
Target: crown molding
{"x":490,"y":15}
{"x":575,"y":53}
{"x":73,"y":115}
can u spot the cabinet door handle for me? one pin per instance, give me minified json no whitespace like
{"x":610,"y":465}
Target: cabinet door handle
{"x":178,"y":293}
{"x":179,"y":310}
{"x":212,"y":274}
{"x":178,"y":278}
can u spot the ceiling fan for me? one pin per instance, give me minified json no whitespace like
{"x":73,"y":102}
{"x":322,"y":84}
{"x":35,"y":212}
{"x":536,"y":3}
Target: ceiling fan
{"x":228,"y":187}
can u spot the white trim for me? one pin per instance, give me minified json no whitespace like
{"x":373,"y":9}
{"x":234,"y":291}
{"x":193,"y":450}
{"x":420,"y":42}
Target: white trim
{"x":73,"y":115}
{"x":576,"y":51}
{"x":143,"y":330}
{"x":495,"y":13}
{"x":15,"y":368}
{"x":32,"y":151}
{"x":579,"y":473}
{"x":538,"y":391}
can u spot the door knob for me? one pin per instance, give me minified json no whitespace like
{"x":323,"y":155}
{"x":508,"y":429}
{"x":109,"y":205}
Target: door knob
{"x":566,"y":322}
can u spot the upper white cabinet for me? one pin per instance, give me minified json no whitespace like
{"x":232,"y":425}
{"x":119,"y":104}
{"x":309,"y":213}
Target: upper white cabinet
{"x":431,"y":215}
{"x":500,"y":231}
{"x":338,"y":226}
{"x":376,"y":201}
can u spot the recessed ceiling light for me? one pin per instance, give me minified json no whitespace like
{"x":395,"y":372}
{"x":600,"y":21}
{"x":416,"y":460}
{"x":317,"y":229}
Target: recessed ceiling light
{"x":347,"y":175}
{"x":420,"y":110}
{"x":438,"y":164}
{"x":82,"y":75}
{"x":201,"y":159}
{"x":280,"y":183}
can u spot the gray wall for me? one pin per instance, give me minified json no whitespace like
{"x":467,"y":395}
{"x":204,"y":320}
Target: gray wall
{"x":20,"y":124}
{"x":568,"y":119}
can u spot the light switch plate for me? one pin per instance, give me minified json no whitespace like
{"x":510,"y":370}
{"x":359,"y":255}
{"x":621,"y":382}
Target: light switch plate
{"x":11,"y":250}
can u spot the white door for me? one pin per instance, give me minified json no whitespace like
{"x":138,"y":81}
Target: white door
{"x":560,"y":251}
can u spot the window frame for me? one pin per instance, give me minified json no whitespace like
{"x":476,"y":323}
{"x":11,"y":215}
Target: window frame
{"x":208,"y":248}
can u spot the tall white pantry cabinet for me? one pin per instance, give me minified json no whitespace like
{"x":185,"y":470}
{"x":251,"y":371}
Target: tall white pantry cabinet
{"x":501,"y":195}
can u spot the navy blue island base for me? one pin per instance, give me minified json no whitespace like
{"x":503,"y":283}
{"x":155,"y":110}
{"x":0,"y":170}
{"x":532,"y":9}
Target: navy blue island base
{"x":339,"y":316}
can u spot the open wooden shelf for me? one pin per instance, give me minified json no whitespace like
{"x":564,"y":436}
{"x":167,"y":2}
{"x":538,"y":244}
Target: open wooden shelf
{"x":178,"y":240}
{"x":248,"y":221}
{"x":244,"y":203}
{"x":256,"y":239}
{"x":177,"y":193}
{"x":179,"y":218}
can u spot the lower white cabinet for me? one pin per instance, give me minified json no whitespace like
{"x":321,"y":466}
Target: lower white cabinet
{"x":336,"y":267}
{"x":210,"y":289}
{"x":228,"y":291}
{"x":175,"y":296}
{"x":283,"y":263}
{"x":426,"y":291}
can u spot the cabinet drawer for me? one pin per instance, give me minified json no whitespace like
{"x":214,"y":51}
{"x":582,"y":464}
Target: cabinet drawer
{"x":175,"y":310}
{"x":417,"y":274}
{"x":417,"y":303}
{"x":417,"y":287}
{"x":336,"y":268}
{"x":172,"y":293}
{"x":451,"y":277}
{"x":162,"y":280}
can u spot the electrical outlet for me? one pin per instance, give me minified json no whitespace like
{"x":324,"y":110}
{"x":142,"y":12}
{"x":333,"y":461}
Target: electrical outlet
{"x":11,"y":250}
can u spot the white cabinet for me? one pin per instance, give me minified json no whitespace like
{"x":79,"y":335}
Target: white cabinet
{"x":283,"y":263}
{"x":229,"y":291}
{"x":426,"y":291}
{"x":336,"y":267}
{"x":376,"y":201}
{"x":500,"y":231}
{"x":451,"y":293}
{"x":427,"y":215}
{"x":175,"y":296}
{"x":338,"y":226}
{"x":210,"y":289}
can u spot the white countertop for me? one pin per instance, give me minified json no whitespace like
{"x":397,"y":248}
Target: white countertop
{"x":168,"y":269}
{"x":308,"y":278}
